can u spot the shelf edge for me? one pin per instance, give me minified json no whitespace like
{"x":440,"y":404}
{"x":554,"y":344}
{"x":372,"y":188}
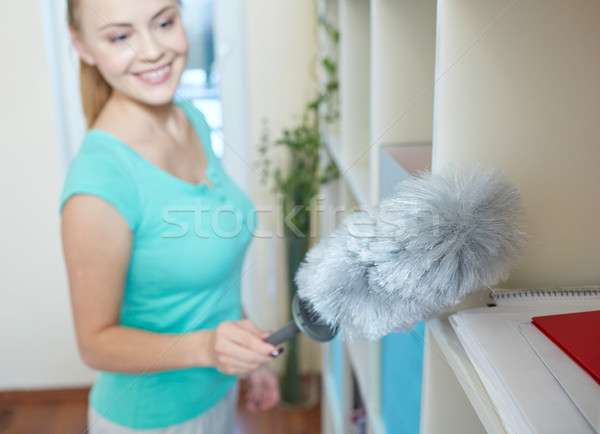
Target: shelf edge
{"x":465,"y":373}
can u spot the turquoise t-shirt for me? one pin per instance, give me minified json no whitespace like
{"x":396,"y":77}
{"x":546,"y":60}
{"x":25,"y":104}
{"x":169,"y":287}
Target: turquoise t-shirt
{"x":185,"y":270}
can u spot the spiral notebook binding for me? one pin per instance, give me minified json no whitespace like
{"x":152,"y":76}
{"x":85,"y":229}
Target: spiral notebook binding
{"x":584,"y":291}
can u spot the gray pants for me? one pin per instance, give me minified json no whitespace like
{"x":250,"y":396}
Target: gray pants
{"x":220,"y":419}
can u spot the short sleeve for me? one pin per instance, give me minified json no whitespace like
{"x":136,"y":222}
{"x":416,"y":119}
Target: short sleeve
{"x":101,"y":173}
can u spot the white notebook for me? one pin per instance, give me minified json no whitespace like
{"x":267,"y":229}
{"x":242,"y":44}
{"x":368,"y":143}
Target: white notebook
{"x":533,"y":387}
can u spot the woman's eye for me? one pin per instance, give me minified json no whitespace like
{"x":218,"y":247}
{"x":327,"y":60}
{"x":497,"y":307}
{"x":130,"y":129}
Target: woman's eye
{"x":118,"y":38}
{"x":166,"y":24}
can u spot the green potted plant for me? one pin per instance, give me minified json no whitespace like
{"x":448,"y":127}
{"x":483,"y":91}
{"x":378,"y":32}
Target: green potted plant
{"x":298,"y":183}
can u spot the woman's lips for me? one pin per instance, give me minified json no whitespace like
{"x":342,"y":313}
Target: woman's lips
{"x":156,"y":76}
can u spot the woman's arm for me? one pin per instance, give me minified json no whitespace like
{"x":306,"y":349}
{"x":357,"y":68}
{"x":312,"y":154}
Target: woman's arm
{"x":97,"y":245}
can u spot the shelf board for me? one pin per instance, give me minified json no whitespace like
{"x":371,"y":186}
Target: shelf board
{"x":333,"y":404}
{"x":467,"y":376}
{"x":356,"y":176}
{"x":358,"y":181}
{"x":365,"y":363}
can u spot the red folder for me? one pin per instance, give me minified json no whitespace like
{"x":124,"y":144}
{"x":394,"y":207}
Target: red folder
{"x":578,"y":335}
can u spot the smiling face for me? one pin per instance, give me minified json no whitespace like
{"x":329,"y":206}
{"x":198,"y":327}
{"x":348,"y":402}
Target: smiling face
{"x":139,"y":46}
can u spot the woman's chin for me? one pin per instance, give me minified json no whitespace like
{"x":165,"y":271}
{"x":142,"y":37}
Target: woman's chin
{"x":156,"y":97}
{"x":159,"y":95}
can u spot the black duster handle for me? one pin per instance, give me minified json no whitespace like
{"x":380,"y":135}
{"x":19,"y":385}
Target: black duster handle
{"x":285,"y":333}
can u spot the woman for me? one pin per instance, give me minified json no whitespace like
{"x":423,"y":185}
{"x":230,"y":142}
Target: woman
{"x":154,"y":236}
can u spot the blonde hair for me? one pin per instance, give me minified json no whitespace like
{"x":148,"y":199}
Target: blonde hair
{"x":94,"y":89}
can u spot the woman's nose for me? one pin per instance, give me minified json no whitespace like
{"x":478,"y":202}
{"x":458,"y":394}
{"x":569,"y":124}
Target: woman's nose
{"x":149,"y":49}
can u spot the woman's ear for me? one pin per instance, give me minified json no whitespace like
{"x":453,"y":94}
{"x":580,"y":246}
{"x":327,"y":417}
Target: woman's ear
{"x":80,"y":47}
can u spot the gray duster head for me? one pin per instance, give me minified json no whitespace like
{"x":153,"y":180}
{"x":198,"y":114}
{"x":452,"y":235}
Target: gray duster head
{"x":439,"y":238}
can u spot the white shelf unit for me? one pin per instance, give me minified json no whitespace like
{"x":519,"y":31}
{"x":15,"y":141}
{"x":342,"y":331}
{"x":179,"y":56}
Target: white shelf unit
{"x":386,"y":97}
{"x":505,"y":83}
{"x":515,"y":90}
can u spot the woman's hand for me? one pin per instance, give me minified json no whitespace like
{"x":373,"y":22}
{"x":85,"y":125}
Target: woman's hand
{"x":263,"y":390}
{"x":237,"y":347}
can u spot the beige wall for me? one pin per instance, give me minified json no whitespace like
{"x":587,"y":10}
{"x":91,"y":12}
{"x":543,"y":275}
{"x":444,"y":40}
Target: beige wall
{"x":281,"y":76}
{"x":37,"y":343}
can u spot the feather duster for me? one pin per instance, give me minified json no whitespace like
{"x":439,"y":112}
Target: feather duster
{"x":439,"y":238}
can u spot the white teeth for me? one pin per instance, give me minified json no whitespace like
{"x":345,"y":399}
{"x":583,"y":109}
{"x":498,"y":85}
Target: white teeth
{"x":155,"y":75}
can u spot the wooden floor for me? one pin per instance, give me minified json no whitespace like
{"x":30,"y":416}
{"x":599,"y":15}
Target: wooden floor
{"x":65,"y":412}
